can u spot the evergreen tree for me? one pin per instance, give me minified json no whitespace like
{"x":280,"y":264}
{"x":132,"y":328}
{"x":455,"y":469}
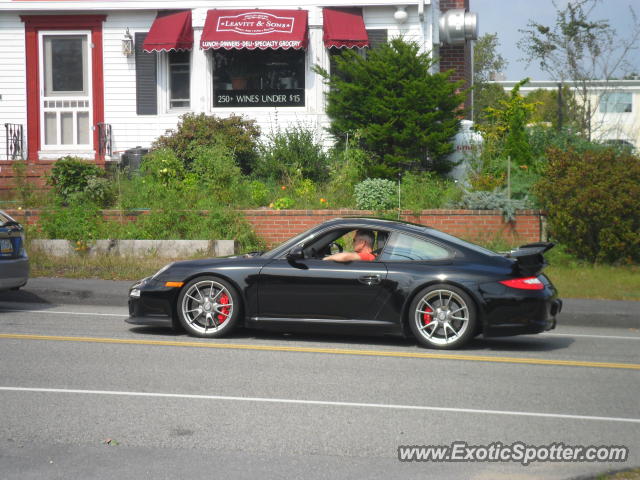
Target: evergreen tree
{"x":400,"y":111}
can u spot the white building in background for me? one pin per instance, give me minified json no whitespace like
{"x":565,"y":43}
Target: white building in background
{"x":615,"y":107}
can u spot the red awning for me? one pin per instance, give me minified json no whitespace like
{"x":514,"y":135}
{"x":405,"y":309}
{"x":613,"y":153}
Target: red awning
{"x":253,"y":29}
{"x":170,"y":31}
{"x":344,"y":27}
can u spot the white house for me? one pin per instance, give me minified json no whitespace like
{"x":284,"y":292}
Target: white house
{"x":94,"y":78}
{"x":614,"y":107}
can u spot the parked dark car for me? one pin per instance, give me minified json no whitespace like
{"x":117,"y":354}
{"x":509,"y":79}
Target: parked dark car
{"x":423,"y":282}
{"x":14,"y":263}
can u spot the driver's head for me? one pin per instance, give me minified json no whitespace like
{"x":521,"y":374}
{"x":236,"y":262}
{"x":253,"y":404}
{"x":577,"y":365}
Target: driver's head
{"x":363,"y":236}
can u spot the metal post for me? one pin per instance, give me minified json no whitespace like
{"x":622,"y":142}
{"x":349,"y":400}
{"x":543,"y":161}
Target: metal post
{"x":560,"y":106}
{"x":509,"y":177}
{"x":399,"y":193}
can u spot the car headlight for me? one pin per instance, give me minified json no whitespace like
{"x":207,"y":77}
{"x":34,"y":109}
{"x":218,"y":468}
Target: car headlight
{"x":135,"y":292}
{"x":162,"y":270}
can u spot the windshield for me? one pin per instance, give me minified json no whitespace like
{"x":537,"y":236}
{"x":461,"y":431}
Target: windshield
{"x":6,"y":220}
{"x":293,"y":241}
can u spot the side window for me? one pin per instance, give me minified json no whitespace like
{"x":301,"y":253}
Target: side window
{"x":616,"y":102}
{"x":179,"y":79}
{"x":401,"y":247}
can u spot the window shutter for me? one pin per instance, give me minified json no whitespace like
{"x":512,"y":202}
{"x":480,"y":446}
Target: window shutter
{"x":146,"y":79}
{"x":377,"y":37}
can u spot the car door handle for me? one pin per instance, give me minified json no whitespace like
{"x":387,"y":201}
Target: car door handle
{"x":369,"y":279}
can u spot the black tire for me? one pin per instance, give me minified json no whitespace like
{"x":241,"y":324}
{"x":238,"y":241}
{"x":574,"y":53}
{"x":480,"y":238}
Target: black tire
{"x":443,"y":317}
{"x":208,"y":307}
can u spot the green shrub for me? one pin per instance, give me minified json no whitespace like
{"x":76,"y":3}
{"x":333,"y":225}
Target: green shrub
{"x":292,"y":154}
{"x":99,"y":190}
{"x":163,"y":166}
{"x":200,"y":130}
{"x":282,"y":203}
{"x":215,"y":176}
{"x":494,"y":200}
{"x":427,"y":190}
{"x":347,"y":167}
{"x":259,"y":193}
{"x":74,"y":178}
{"x":173,"y":223}
{"x":305,"y":188}
{"x":76,"y":222}
{"x":376,"y":194}
{"x":591,"y":199}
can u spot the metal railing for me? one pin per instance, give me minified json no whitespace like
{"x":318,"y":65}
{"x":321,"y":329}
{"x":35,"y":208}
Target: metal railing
{"x":104,"y":140}
{"x":14,"y":141}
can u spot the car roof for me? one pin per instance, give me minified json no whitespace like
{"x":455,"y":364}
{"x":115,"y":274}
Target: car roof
{"x":375,"y":222}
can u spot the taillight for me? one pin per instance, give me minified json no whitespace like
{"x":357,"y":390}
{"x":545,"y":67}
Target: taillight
{"x":528,"y":283}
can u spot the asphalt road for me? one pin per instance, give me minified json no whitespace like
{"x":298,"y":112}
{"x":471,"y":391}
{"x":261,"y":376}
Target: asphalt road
{"x":84,"y":395}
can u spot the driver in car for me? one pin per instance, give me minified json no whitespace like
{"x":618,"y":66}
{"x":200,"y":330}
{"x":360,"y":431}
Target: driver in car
{"x":362,"y":246}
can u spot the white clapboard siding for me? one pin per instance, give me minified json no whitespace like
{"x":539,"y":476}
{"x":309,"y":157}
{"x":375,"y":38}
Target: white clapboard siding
{"x":13,"y":105}
{"x":129,"y":129}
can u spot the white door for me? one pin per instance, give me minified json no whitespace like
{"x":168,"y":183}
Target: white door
{"x":65,"y":93}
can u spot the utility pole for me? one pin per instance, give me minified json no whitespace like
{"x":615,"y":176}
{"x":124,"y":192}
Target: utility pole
{"x":560,"y":106}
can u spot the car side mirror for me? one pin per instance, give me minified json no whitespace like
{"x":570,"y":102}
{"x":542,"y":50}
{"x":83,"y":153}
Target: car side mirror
{"x":296,"y":253}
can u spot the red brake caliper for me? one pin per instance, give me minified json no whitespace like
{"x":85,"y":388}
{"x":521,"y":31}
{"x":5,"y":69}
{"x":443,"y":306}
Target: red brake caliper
{"x":224,"y":300}
{"x":427,"y":316}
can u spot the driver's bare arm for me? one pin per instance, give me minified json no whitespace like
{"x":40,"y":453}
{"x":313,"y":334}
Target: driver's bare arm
{"x":343,"y":257}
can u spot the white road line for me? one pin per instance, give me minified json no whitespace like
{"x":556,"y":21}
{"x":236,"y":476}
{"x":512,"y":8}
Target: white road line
{"x":64,"y":313}
{"x":612,"y":337}
{"x":322,"y":403}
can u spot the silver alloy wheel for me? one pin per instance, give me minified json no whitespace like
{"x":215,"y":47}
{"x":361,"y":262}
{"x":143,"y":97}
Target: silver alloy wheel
{"x":442,"y":317}
{"x":207,"y":306}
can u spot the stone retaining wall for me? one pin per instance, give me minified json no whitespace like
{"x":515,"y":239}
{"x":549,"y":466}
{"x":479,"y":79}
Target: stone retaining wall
{"x":137,"y":248}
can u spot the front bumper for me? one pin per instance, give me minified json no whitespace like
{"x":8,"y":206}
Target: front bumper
{"x":150,"y":303}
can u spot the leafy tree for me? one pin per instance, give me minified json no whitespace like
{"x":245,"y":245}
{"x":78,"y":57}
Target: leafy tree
{"x":506,"y":126}
{"x":486,"y":95}
{"x":591,"y":199}
{"x":401,"y":111}
{"x":579,"y":49}
{"x":487,"y":63}
{"x":546,"y":107}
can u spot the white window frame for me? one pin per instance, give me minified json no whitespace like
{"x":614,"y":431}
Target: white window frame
{"x":604,"y":102}
{"x":164,"y":78}
{"x":59,"y":146}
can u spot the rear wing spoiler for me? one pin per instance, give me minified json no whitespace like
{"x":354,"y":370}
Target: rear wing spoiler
{"x":529,"y":258}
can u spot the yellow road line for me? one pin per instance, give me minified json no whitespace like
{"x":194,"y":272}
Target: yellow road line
{"x":335,"y":351}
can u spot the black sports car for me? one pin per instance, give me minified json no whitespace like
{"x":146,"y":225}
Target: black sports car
{"x":424,"y":282}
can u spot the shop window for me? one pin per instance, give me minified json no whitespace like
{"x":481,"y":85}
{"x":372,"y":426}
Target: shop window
{"x":179,"y":79}
{"x":258,"y":78}
{"x":377,"y":37}
{"x":616,"y":102}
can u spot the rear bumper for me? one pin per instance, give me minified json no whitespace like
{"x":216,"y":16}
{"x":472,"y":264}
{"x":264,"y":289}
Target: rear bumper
{"x":14,"y":273}
{"x":522,"y":312}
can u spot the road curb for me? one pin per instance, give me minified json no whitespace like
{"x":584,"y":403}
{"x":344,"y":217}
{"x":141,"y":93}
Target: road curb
{"x":575,"y":312}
